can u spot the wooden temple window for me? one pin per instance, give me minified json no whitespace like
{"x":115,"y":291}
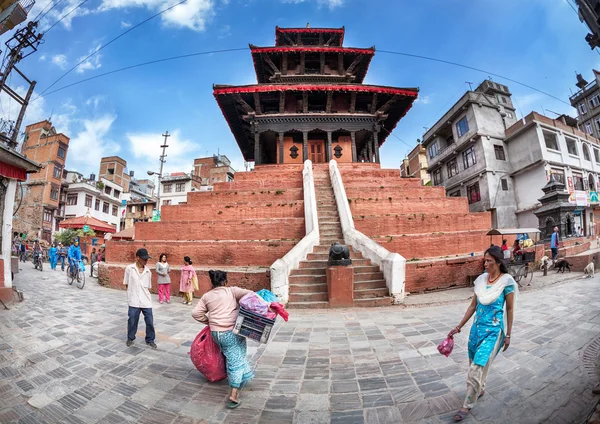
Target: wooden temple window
{"x":317,"y":101}
{"x":312,"y":63}
{"x":310,"y":40}
{"x":363,"y":103}
{"x":293,"y":64}
{"x":270,"y":103}
{"x":341,"y":102}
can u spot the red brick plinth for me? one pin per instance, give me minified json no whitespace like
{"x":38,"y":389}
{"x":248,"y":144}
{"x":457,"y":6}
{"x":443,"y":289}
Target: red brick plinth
{"x":340,"y":285}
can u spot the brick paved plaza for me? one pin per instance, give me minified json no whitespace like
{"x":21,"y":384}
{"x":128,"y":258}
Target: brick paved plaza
{"x":63,"y":359}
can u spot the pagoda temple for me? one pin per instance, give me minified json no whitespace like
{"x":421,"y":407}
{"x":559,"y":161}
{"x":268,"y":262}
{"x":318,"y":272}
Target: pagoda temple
{"x":310,"y":102}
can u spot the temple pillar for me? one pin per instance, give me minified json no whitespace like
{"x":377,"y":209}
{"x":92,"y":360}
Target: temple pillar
{"x":302,"y":63}
{"x":354,"y":152}
{"x":369,"y":151}
{"x":341,"y":63}
{"x":256,"y":148}
{"x":304,"y":146}
{"x":376,"y":145}
{"x":322,"y":63}
{"x":328,"y":152}
{"x":281,"y":136}
{"x":284,"y":64}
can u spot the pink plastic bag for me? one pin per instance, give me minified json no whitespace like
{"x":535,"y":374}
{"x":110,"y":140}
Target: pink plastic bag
{"x":207,"y":357}
{"x":254,"y":303}
{"x":280,"y":310}
{"x":445,"y":347}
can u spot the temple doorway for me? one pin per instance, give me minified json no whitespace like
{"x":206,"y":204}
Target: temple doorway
{"x":316,"y":151}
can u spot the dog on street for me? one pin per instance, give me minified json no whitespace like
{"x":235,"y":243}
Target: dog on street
{"x":561,"y":265}
{"x":589,"y":270}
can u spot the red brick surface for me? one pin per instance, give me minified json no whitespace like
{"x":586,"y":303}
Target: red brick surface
{"x":254,"y":229}
{"x":441,"y":274}
{"x":111,"y":275}
{"x":227,"y":212}
{"x":414,"y":205}
{"x":377,"y":225}
{"x":1,"y":272}
{"x":398,"y":193}
{"x":259,"y":195}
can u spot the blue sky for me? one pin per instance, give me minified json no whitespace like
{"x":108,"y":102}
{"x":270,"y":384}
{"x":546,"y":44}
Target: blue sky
{"x":538,"y":42}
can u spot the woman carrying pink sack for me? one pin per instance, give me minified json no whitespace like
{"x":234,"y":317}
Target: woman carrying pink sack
{"x":493,"y":305}
{"x":188,"y":280}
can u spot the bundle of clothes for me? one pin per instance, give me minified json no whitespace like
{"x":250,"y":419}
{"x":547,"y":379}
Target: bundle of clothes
{"x":264,"y":303}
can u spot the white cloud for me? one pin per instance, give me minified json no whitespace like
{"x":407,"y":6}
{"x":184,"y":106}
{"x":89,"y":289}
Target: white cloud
{"x":331,"y":4}
{"x":60,"y":60}
{"x":42,"y":57}
{"x":125,"y":24}
{"x":146,"y":150}
{"x":193,"y":14}
{"x":92,"y":63}
{"x":94,"y":101}
{"x":425,"y":100}
{"x":91,"y":143}
{"x":225,"y":31}
{"x":61,"y":10}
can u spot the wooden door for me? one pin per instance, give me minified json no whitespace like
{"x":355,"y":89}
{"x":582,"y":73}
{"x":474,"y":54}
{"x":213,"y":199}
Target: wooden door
{"x":316,"y":151}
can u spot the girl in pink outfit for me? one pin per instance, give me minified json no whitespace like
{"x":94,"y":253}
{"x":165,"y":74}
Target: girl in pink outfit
{"x":186,"y":283}
{"x":164,"y":280}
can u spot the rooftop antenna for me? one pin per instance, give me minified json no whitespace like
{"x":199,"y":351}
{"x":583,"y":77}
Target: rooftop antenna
{"x":470,"y":85}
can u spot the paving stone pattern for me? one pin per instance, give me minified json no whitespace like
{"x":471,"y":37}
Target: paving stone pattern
{"x":63,"y":359}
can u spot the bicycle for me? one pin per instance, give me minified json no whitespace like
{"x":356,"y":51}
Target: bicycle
{"x":78,"y":274}
{"x":38,"y":263}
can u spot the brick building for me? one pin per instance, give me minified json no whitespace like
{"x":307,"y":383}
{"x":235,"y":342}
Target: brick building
{"x":415,"y":165}
{"x":38,"y":214}
{"x":213,"y":169}
{"x":114,"y":169}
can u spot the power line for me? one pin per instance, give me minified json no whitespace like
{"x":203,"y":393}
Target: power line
{"x":460,"y":65}
{"x":142,"y":64}
{"x":42,"y":17}
{"x":445,"y":104}
{"x":71,"y":11}
{"x":109,"y":43}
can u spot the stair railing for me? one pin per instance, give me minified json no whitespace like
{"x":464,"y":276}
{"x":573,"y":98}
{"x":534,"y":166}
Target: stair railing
{"x":393,"y":265}
{"x":281,"y":268}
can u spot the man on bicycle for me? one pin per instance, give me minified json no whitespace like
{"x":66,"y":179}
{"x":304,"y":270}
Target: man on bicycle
{"x":74,"y":256}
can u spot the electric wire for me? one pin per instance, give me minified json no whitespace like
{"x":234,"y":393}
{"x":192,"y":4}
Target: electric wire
{"x":166,"y":59}
{"x":109,"y":43}
{"x":39,"y":18}
{"x":460,"y":65}
{"x":71,"y":11}
{"x":444,"y":107}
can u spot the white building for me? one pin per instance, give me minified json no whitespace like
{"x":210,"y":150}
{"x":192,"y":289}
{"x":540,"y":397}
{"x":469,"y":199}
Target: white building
{"x":175,"y":187}
{"x":102,"y":199}
{"x":539,"y":146}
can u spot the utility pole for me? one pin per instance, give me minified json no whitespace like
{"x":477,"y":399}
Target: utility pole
{"x":162,"y":162}
{"x":22,"y":44}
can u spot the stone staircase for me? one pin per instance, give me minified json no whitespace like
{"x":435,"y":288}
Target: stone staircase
{"x":308,"y":283}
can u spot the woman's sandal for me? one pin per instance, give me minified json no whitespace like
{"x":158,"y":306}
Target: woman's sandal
{"x":481,"y":394}
{"x":232,"y":405}
{"x":460,"y":415}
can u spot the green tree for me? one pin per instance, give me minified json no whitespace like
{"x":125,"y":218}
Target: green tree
{"x":66,"y":237}
{"x":90,"y":232}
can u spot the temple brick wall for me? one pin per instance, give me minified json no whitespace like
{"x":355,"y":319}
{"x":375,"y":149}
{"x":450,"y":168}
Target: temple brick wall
{"x":434,"y":233}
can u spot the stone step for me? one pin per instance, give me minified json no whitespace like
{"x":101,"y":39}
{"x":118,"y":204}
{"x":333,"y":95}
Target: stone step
{"x":324,"y":248}
{"x":373,"y":302}
{"x":325,"y":256}
{"x":369,"y":285}
{"x":360,"y":269}
{"x":307,"y":279}
{"x":358,"y":263}
{"x":308,"y":297}
{"x":370,"y":293}
{"x":332,"y":221}
{"x":330,"y":225}
{"x":307,"y":272}
{"x":309,"y":305}
{"x":308,"y":288}
{"x":331,"y":234}
{"x":327,"y":216}
{"x":368,"y":276}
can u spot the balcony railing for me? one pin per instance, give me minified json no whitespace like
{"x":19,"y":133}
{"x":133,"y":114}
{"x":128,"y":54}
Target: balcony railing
{"x":584,"y":89}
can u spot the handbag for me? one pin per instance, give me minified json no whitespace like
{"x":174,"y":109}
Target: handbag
{"x":195,"y":282}
{"x":446,"y":346}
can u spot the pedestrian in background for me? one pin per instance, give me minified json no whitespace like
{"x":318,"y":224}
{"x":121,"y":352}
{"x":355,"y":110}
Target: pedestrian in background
{"x":495,"y":293}
{"x":186,"y":282}
{"x":93,"y":260}
{"x":138,"y":280}
{"x":53,"y":256}
{"x":23,"y":251}
{"x":62,"y":255}
{"x":554,"y":244}
{"x":164,"y":280}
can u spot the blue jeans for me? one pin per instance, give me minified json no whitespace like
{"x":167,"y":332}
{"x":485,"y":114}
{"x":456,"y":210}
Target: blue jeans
{"x":72,"y":264}
{"x":61,"y":261}
{"x":554,"y":252}
{"x":134,"y":319}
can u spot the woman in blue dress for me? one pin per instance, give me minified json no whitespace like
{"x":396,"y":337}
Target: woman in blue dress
{"x":495,"y":293}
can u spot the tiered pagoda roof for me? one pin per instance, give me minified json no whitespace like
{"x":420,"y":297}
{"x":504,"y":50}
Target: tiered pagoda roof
{"x":309,"y":77}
